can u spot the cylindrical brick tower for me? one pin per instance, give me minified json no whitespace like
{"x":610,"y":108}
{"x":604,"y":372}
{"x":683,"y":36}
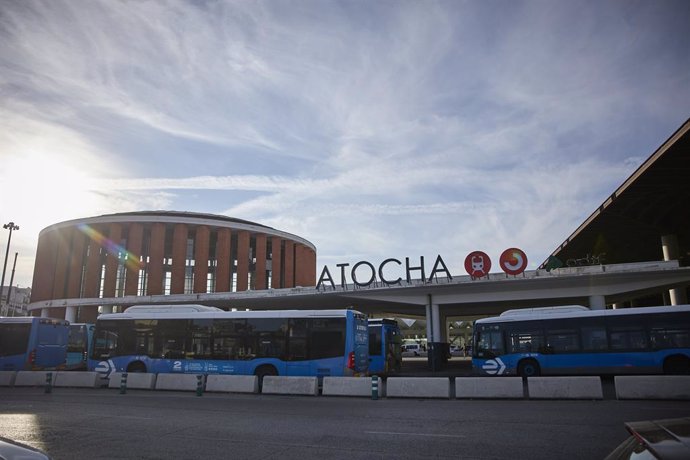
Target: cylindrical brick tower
{"x":164,"y":253}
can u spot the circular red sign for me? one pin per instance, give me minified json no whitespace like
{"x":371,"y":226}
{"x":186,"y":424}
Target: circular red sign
{"x":477,"y":264}
{"x":513,"y":261}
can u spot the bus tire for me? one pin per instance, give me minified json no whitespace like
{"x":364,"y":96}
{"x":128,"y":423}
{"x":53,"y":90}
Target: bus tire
{"x":136,"y":366}
{"x":528,"y":368}
{"x":263,"y":371}
{"x":677,"y":365}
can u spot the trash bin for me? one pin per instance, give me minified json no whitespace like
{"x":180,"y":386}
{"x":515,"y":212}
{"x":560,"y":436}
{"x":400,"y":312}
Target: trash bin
{"x":437,"y":355}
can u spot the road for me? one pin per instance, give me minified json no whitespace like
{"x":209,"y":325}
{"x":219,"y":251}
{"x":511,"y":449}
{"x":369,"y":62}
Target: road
{"x":103,"y":424}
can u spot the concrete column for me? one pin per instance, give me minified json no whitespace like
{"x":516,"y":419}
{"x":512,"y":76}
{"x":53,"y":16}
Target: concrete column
{"x":276,"y":266}
{"x":154,"y":286}
{"x":112,"y":260}
{"x":76,"y":264}
{"x":92,"y":276}
{"x":436,"y":323}
{"x":71,"y":314}
{"x":135,"y":237}
{"x":260,"y":267}
{"x":106,"y":309}
{"x":201,"y":250}
{"x":179,"y":259}
{"x":289,"y":264}
{"x":243,"y":261}
{"x":45,"y":312}
{"x":669,"y":245}
{"x":223,"y":262}
{"x":44,"y":268}
{"x":597,"y":302}
{"x":61,"y":264}
{"x":429,"y":324}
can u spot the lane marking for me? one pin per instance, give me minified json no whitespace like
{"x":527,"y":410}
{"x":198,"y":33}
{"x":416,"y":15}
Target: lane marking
{"x":417,"y":434}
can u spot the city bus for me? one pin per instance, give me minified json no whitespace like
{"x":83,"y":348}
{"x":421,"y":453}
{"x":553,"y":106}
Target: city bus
{"x":31,"y":343}
{"x":575,"y":340}
{"x":385,"y":346}
{"x":79,"y":345}
{"x":207,"y":340}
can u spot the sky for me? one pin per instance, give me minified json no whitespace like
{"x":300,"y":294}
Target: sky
{"x":374,"y":129}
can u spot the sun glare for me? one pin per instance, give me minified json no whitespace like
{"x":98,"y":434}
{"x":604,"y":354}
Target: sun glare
{"x":46,"y":189}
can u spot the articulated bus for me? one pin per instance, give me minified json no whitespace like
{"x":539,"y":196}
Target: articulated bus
{"x":79,"y":345}
{"x":385,"y":346}
{"x":30,"y":343}
{"x":206,"y":340}
{"x":575,"y":340}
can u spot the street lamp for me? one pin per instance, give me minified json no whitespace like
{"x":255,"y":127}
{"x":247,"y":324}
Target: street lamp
{"x":10,"y":226}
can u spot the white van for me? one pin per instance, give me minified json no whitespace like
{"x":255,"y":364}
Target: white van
{"x":412,"y":349}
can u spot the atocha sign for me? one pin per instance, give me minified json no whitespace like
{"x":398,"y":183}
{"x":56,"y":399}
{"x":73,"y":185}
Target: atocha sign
{"x":513,"y":261}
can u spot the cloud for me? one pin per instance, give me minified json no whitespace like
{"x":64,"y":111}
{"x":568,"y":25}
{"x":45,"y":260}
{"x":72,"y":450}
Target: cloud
{"x":373,"y":129}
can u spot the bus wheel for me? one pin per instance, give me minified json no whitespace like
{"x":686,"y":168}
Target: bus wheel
{"x":136,"y":366}
{"x":677,"y":365}
{"x":263,"y":371}
{"x":528,"y":368}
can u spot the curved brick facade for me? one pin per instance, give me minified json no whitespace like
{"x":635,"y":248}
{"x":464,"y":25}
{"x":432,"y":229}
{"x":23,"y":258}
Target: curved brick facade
{"x":165,"y":253}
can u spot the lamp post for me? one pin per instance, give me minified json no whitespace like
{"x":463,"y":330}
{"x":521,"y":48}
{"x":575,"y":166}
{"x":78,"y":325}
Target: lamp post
{"x":10,"y":226}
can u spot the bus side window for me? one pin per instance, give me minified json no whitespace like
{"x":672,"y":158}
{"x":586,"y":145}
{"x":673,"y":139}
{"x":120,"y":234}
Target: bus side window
{"x":594,"y":338}
{"x":677,"y":336}
{"x":297,"y":339}
{"x":628,"y":338}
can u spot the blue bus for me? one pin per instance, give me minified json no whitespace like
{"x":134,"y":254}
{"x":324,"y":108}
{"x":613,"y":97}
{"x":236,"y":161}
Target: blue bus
{"x":385,"y":346}
{"x":79,"y":345}
{"x":31,"y":343}
{"x":578,"y":341}
{"x":207,"y":340}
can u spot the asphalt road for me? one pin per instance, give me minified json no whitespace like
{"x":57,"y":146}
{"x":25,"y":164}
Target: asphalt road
{"x":103,"y":424}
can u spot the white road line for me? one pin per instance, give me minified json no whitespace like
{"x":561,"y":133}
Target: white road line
{"x":417,"y":434}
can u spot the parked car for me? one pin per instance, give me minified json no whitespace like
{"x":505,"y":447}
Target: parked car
{"x":660,"y":439}
{"x":412,"y":349}
{"x":12,"y":450}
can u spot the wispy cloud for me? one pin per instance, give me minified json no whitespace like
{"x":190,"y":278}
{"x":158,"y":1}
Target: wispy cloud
{"x":373,"y":129}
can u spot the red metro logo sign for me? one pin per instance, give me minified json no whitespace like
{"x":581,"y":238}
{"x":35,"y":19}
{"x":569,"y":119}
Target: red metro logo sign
{"x":477,"y":264}
{"x":513,"y":261}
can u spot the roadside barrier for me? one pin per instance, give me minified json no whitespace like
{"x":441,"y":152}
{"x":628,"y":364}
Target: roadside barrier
{"x":133,"y":381}
{"x":353,"y":386}
{"x":489,"y":388}
{"x":418,"y":387}
{"x":306,"y":386}
{"x":652,"y":387}
{"x":7,"y":378}
{"x":178,"y":382}
{"x":585,"y":387}
{"x":232,"y":383}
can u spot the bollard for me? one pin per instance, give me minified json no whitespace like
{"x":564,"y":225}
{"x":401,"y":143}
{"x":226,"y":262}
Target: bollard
{"x":123,"y":383}
{"x":199,"y":385}
{"x":49,"y":382}
{"x":374,"y":387}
